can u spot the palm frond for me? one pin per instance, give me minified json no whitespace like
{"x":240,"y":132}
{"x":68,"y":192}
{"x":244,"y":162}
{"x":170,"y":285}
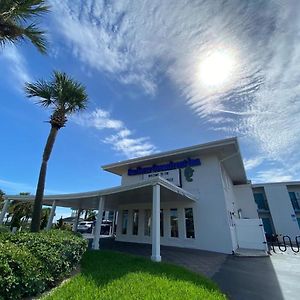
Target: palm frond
{"x":42,"y":90}
{"x":62,"y":93}
{"x":69,"y":93}
{"x":37,"y":37}
{"x":22,"y":10}
{"x":15,"y":15}
{"x":10,"y":32}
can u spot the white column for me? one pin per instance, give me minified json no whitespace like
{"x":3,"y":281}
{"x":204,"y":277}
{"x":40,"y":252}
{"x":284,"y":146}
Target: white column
{"x":113,"y":223}
{"x":181,"y":223}
{"x":4,"y":210}
{"x":97,"y":229}
{"x":156,"y":224}
{"x":141,"y":223}
{"x":51,"y":216}
{"x":76,"y":219}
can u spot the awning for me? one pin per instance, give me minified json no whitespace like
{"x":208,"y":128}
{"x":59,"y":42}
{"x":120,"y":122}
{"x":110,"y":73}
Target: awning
{"x":136,"y":193}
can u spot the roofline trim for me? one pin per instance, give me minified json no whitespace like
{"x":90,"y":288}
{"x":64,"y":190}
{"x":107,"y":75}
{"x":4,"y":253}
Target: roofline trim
{"x":283,"y":182}
{"x":232,"y":140}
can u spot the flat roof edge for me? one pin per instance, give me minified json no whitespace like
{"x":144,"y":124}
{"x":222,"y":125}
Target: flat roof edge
{"x":296,"y":182}
{"x":218,"y":143}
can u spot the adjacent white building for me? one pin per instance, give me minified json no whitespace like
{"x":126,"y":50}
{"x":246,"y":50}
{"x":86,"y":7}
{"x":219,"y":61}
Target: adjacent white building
{"x":278,"y":206}
{"x":197,"y":197}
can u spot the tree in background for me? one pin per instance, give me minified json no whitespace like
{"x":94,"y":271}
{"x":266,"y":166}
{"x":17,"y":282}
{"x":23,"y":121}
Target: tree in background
{"x":2,"y":194}
{"x":90,"y":215}
{"x":45,"y":217}
{"x":64,"y":96}
{"x":18,"y":22}
{"x":20,"y":213}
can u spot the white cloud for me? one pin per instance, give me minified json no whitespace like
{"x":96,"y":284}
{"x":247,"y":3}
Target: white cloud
{"x":252,"y":163}
{"x":131,"y":147}
{"x":99,"y":119}
{"x":136,"y":41}
{"x":272,"y":175}
{"x":122,"y":140}
{"x":16,"y":64}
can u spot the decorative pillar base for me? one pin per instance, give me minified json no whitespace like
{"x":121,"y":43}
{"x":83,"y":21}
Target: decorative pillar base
{"x":156,"y":258}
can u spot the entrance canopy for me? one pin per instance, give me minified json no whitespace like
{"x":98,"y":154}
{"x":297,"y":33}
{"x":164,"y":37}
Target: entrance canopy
{"x":136,"y":193}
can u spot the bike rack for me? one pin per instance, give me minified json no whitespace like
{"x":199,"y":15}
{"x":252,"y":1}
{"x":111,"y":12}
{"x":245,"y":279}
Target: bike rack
{"x":286,"y":241}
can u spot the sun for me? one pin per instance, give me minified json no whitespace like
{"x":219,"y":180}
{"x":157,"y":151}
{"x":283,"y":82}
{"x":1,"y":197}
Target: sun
{"x":217,"y":68}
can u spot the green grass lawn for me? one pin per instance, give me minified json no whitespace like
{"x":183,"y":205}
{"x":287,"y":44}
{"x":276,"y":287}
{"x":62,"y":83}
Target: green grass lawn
{"x":113,"y":275}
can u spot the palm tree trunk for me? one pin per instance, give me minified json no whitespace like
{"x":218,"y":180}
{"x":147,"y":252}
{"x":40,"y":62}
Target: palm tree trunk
{"x":38,"y":202}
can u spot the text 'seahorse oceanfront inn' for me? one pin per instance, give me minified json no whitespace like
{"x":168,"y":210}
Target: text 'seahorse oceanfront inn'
{"x":197,"y":197}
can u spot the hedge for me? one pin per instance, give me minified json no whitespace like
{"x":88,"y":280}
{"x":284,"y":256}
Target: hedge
{"x":32,"y":262}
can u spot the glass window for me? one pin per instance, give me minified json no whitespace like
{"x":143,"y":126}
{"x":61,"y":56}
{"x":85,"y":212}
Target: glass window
{"x":268,"y":226}
{"x":298,"y":220}
{"x":174,"y":222}
{"x":111,"y":215}
{"x":135,"y":222}
{"x":161,"y":222}
{"x":147,"y":224}
{"x":189,"y":223}
{"x":294,"y":200}
{"x":124,"y":221}
{"x":261,"y":201}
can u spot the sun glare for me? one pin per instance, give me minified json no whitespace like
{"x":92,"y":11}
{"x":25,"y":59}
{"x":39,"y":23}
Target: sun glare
{"x":217,"y":69}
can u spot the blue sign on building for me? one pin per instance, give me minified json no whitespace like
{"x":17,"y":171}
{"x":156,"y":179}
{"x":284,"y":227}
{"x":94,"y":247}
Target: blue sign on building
{"x":189,"y":162}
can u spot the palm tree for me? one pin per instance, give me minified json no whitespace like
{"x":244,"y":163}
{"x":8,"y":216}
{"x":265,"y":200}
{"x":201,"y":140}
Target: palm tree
{"x":17,"y":22}
{"x":64,"y":96}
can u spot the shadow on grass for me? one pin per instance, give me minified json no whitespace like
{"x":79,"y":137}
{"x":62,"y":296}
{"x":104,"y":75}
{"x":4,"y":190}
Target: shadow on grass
{"x":104,"y":267}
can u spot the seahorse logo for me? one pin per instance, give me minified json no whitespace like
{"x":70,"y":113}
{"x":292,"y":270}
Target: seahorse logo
{"x":188,"y":174}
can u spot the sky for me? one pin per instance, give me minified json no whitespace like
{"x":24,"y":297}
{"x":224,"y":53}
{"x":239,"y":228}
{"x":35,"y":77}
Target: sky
{"x":160,"y":75}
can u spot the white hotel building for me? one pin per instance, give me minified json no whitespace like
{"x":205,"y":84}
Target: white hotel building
{"x":197,"y":197}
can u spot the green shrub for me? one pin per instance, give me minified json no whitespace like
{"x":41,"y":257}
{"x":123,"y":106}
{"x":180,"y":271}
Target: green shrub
{"x":4,"y":228}
{"x":50,"y":256}
{"x":20,"y":272}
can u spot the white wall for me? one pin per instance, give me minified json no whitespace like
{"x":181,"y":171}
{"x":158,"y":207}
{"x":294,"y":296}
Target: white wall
{"x":281,"y":210}
{"x":245,"y":201}
{"x":210,"y":211}
{"x":230,"y":204}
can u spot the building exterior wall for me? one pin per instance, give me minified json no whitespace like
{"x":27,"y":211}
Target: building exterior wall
{"x":230,"y":200}
{"x":295,"y":188}
{"x":281,"y":209}
{"x":211,"y":214}
{"x":220,"y":207}
{"x":245,"y":204}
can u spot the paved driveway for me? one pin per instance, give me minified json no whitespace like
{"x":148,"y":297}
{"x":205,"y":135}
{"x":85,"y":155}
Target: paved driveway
{"x":272,"y":278}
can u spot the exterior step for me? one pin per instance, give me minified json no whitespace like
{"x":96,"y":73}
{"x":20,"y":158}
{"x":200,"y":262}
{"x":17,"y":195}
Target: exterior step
{"x":250,"y":253}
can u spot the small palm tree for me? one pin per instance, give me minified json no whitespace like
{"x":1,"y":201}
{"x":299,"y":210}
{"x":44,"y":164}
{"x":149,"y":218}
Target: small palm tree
{"x":64,"y":96}
{"x":17,"y":22}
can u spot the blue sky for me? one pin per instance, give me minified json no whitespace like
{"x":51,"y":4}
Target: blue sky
{"x":139,"y":61}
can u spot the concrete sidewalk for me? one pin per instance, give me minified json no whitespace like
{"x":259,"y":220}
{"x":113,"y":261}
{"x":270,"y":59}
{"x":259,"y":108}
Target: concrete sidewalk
{"x":263,"y":278}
